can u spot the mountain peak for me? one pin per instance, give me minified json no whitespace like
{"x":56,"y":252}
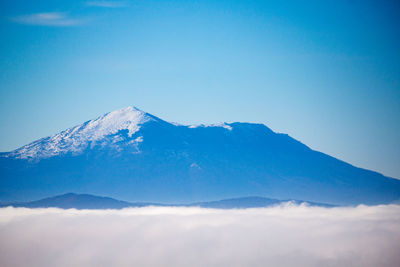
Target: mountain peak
{"x":128,"y":110}
{"x":129,"y":118}
{"x":91,"y":133}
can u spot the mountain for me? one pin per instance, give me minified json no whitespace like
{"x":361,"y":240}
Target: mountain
{"x":77,"y":201}
{"x":253,"y":202}
{"x":85,"y":201}
{"x":132,"y":155}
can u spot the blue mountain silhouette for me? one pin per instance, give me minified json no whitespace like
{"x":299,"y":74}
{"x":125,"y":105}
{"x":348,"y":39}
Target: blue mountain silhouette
{"x":86,"y":201}
{"x":131,"y":155}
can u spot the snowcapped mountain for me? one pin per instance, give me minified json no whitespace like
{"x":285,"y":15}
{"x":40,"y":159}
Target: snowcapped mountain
{"x":113,"y":130}
{"x":132,"y":155}
{"x":105,"y":130}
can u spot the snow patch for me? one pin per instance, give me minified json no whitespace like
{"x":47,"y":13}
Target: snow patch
{"x":222,"y":124}
{"x":78,"y":138}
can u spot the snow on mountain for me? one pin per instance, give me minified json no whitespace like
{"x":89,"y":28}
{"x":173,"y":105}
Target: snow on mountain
{"x":76,"y":139}
{"x":105,"y":130}
{"x":222,"y":124}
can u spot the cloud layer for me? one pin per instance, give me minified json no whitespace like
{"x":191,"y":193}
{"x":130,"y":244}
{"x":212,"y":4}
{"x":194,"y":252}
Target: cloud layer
{"x":286,"y":235}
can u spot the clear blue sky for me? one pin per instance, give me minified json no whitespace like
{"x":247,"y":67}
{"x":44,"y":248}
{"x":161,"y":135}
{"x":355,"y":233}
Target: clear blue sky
{"x":325,"y":72}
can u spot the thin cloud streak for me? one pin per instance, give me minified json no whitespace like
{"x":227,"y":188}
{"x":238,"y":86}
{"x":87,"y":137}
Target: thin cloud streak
{"x":57,"y":19}
{"x":287,"y":235}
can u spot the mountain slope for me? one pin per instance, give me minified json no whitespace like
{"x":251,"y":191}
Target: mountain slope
{"x":89,"y":134}
{"x":77,"y":201}
{"x":130,"y":154}
{"x":253,"y":202}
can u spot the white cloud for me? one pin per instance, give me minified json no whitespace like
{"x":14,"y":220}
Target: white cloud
{"x":49,"y":19}
{"x":109,"y":4}
{"x":278,"y":236}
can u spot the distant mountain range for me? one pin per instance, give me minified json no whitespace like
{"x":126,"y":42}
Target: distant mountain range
{"x":85,"y":201}
{"x":132,"y":155}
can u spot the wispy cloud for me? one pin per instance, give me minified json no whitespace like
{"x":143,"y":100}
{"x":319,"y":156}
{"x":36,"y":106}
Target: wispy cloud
{"x":286,"y":235}
{"x":109,"y":4}
{"x":58,"y":19}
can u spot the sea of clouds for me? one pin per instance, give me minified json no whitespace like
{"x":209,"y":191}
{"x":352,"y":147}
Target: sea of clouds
{"x":286,"y":235}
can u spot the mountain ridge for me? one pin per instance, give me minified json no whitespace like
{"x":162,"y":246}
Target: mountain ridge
{"x":87,"y":201}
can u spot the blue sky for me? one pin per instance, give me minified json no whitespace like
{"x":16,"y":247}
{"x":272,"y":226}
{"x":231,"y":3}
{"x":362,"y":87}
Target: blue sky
{"x":325,"y":72}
